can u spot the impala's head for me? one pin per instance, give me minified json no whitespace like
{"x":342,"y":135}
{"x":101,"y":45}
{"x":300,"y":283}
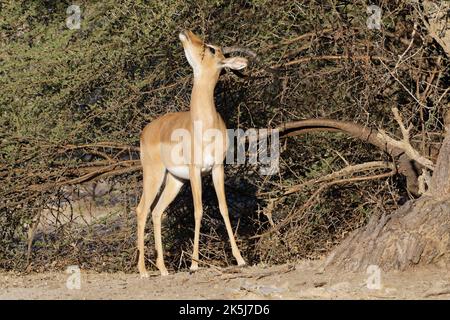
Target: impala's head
{"x":207,"y":59}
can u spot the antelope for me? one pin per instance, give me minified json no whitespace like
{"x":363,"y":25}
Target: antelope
{"x":157,"y":148}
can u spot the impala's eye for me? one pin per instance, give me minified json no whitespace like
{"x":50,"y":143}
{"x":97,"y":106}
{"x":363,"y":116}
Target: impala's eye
{"x":213,"y":51}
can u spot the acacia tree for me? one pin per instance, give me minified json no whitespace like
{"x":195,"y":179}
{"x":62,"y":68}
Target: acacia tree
{"x":419,"y":231}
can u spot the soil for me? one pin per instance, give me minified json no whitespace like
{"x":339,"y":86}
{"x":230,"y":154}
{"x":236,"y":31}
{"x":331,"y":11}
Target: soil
{"x":302,"y":280}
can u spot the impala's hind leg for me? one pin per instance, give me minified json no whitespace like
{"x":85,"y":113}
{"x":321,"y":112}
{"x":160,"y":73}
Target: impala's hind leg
{"x":153,"y":176}
{"x":171,"y":189}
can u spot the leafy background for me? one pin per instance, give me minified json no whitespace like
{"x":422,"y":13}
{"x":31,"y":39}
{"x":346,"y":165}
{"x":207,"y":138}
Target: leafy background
{"x":73,"y":103}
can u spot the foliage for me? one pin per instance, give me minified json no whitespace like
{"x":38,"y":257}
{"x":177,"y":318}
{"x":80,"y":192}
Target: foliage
{"x":73,"y":102}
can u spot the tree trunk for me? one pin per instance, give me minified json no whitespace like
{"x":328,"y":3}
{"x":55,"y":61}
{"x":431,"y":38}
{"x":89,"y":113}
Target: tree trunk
{"x":417,"y":233}
{"x":440,"y":184}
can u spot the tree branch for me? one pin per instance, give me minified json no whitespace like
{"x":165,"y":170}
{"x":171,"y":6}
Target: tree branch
{"x":405,"y":144}
{"x":373,"y":165}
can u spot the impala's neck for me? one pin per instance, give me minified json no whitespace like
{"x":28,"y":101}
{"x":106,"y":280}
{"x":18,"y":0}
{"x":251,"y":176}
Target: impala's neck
{"x":202,"y":99}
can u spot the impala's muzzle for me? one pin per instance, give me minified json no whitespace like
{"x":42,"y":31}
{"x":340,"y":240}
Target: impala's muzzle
{"x":184,"y":35}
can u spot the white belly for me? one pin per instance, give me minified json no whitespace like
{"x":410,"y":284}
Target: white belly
{"x":182,"y":171}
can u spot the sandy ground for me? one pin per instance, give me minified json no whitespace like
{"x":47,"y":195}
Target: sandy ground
{"x":304,"y":280}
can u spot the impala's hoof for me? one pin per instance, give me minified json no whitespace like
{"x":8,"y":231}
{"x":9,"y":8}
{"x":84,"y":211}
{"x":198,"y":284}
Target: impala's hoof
{"x":164,"y":273}
{"x":144,"y":274}
{"x":193,"y":268}
{"x":241,"y":263}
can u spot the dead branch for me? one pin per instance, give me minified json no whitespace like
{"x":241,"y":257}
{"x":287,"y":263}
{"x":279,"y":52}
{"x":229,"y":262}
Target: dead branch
{"x":407,"y":163}
{"x":405,"y":144}
{"x":103,"y":144}
{"x":349,"y":170}
{"x":366,"y":58}
{"x":434,"y":20}
{"x":117,"y":168}
{"x":315,"y":197}
{"x":355,"y":130}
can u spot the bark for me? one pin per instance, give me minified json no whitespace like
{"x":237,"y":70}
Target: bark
{"x":440,"y":184}
{"x":417,"y":233}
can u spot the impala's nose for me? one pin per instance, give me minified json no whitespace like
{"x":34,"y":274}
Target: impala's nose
{"x":184,"y":35}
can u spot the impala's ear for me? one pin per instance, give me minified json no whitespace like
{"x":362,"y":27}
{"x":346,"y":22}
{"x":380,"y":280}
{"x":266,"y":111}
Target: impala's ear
{"x":235,"y":63}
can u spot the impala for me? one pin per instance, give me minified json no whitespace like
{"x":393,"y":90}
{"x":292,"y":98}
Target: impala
{"x":158,"y":148}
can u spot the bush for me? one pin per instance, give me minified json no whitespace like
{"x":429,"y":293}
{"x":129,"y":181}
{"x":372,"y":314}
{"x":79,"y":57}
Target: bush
{"x":73,"y":104}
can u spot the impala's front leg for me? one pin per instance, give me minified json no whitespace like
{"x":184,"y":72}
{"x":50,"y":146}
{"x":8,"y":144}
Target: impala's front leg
{"x":196,"y":186}
{"x":219,"y":185}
